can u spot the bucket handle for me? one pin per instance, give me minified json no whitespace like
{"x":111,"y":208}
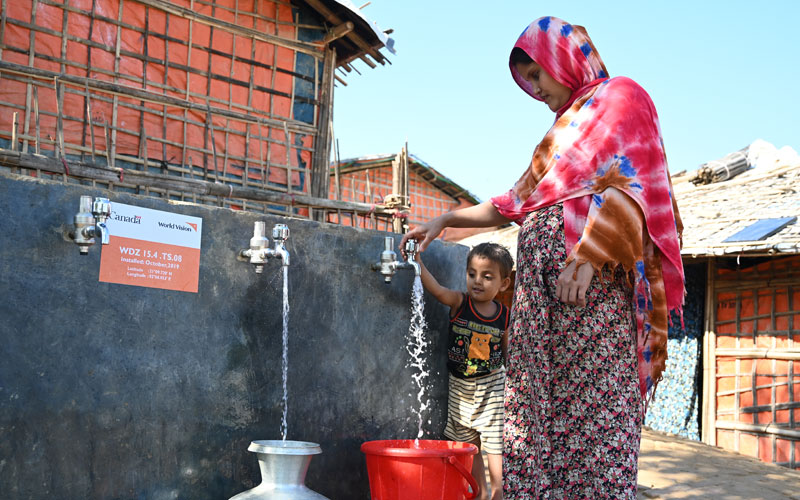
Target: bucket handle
{"x":467,"y":475}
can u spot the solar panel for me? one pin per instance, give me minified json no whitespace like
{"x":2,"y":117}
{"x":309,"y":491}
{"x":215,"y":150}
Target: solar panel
{"x":764,"y":228}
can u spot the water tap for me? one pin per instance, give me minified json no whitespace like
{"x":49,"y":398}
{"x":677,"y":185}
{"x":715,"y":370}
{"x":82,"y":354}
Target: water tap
{"x":90,"y":223}
{"x":259,"y":251}
{"x":411,"y":255}
{"x":389,"y":264}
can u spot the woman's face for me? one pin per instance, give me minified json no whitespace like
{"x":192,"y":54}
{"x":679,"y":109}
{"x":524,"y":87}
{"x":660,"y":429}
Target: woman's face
{"x":554,"y":94}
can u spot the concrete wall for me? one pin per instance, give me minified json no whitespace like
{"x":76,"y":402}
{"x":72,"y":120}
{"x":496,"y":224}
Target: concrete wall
{"x":114,"y":391}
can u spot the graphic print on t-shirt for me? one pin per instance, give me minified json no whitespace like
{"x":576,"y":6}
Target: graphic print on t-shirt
{"x":475,"y":340}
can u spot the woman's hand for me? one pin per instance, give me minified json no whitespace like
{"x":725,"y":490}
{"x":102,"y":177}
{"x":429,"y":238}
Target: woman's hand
{"x":483,"y":215}
{"x":573,"y":290}
{"x":423,"y":233}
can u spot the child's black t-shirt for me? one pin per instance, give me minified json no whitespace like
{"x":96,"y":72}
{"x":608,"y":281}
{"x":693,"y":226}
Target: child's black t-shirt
{"x":475,"y":341}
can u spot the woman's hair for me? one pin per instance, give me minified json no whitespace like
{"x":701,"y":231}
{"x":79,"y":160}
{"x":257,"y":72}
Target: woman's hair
{"x":519,"y":56}
{"x":495,"y":253}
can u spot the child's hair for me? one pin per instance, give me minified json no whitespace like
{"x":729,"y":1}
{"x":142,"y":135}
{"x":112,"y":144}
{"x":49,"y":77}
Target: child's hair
{"x":519,"y":56}
{"x":495,"y":253}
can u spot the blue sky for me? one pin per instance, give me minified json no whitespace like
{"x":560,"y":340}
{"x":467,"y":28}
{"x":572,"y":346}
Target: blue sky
{"x":721,"y":74}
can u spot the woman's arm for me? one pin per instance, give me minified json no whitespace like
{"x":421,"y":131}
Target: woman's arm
{"x":483,"y":215}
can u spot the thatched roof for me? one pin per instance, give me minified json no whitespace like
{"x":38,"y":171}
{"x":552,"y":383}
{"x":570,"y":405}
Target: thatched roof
{"x":714,"y":212}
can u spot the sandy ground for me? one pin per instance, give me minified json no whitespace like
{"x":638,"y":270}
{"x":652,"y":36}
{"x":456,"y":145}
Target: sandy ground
{"x":671,"y":467}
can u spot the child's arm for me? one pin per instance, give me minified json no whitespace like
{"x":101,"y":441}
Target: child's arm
{"x":504,"y":347}
{"x":444,"y":295}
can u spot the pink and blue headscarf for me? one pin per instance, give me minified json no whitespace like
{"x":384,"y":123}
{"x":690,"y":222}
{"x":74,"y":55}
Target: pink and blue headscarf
{"x":604,"y":160}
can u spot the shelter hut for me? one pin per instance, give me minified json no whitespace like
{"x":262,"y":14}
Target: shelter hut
{"x":402,"y":181}
{"x":743,"y":234}
{"x":222,"y":102}
{"x":732,"y":378}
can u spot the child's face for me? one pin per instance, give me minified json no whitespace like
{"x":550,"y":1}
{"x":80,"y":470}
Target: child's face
{"x":483,"y":279}
{"x":545,"y":86}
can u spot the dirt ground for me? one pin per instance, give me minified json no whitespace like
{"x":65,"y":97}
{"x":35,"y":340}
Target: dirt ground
{"x":671,"y":467}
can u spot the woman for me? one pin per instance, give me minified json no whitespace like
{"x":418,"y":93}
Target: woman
{"x":598,"y":271}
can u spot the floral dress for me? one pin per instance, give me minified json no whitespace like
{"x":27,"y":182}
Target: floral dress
{"x":572,"y":401}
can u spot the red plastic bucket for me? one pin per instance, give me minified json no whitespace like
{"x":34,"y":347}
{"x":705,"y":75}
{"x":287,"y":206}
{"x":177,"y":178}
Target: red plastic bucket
{"x":405,"y":469}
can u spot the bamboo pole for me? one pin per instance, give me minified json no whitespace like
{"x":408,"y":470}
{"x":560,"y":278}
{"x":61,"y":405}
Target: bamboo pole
{"x":3,"y":16}
{"x":37,"y":149}
{"x":311,"y":49}
{"x":111,"y":144}
{"x":126,"y":91}
{"x":31,"y":62}
{"x":288,"y":147}
{"x":772,"y":429}
{"x":336,"y":170}
{"x":138,"y":160}
{"x":709,"y":433}
{"x":86,"y":93}
{"x":320,"y":165}
{"x":86,"y":170}
{"x":758,"y":353}
{"x":186,"y":98}
{"x":332,"y":18}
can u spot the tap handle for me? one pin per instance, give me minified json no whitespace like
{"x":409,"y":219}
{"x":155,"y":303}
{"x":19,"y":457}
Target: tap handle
{"x":101,"y":208}
{"x":86,"y":204}
{"x":411,"y":249}
{"x":388,"y":244}
{"x":259,"y":229}
{"x":259,"y":240}
{"x":280,"y":232}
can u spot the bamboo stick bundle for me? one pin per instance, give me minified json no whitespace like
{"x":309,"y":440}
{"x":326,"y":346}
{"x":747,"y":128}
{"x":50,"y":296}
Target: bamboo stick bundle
{"x":721,"y":170}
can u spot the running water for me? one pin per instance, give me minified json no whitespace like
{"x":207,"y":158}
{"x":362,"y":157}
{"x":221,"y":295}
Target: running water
{"x":285,"y":362}
{"x":417,"y":347}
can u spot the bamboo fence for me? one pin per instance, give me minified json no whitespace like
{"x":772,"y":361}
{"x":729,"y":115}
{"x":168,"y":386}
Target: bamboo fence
{"x":221,"y":102}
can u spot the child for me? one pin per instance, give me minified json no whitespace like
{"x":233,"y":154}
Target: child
{"x":475,"y":358}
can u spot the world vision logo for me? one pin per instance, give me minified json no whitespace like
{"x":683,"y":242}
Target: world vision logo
{"x":194,"y":226}
{"x":133,"y":219}
{"x":177,"y":227}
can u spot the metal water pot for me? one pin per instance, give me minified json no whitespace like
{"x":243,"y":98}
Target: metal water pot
{"x":283,"y":467}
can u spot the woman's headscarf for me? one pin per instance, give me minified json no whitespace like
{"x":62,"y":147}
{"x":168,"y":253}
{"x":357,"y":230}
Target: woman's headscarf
{"x":604,"y":159}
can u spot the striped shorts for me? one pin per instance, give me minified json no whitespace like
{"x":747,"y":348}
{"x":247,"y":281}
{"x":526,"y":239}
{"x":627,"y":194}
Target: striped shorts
{"x":475,"y":411}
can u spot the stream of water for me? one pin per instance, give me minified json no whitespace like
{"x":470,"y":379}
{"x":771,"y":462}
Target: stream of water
{"x":285,"y":361}
{"x":417,"y":347}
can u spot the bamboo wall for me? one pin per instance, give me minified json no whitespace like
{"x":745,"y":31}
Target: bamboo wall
{"x":372,"y":185}
{"x":756,"y":359}
{"x":215,"y":102}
